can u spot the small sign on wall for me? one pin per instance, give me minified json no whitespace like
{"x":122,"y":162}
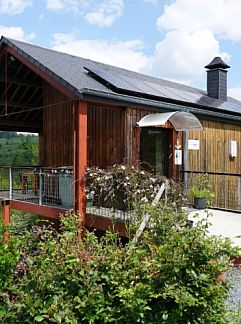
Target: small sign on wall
{"x":193,"y":144}
{"x":178,"y":157}
{"x":233,"y":149}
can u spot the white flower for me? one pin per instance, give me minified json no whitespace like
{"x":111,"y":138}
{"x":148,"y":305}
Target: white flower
{"x":144,"y":199}
{"x":123,"y":167}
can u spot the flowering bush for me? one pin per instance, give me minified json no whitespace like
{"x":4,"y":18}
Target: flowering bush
{"x":125,"y":187}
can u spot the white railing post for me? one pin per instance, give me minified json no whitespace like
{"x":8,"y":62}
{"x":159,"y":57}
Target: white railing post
{"x":146,"y":217}
{"x":10,"y":184}
{"x":40,"y":187}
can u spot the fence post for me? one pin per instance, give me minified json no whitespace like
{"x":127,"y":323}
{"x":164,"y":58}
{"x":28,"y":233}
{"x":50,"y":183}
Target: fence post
{"x":10,"y":183}
{"x":5,"y":204}
{"x":40,"y":187}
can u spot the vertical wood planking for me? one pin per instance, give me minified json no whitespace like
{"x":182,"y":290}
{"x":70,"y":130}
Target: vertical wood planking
{"x":106,"y":135}
{"x":213,"y":156}
{"x":57,"y":138}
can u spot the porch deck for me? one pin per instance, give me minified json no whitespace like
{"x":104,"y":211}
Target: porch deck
{"x":49,"y":193}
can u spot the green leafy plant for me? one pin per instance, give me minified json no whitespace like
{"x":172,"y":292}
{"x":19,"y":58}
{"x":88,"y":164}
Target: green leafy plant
{"x":169,"y":277}
{"x":201,"y":187}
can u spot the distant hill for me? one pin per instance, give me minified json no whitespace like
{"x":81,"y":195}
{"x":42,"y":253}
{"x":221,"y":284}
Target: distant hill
{"x":18,"y":149}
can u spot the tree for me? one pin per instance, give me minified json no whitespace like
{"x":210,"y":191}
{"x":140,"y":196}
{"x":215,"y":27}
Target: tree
{"x":31,"y":152}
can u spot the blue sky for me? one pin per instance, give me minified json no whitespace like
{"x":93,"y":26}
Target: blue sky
{"x":170,"y":39}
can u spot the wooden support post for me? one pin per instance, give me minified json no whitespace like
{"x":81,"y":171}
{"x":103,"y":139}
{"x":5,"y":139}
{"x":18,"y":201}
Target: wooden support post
{"x":137,"y":156}
{"x":80,"y":160}
{"x":6,"y":217}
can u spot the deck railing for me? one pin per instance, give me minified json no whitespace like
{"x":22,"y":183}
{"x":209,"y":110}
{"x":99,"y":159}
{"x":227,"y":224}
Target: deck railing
{"x":51,"y":187}
{"x":43,"y":186}
{"x":54,"y":187}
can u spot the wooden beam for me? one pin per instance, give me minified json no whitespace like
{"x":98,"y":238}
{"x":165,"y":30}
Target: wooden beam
{"x":5,"y":203}
{"x":107,"y":224}
{"x":22,"y":82}
{"x":92,"y":221}
{"x":36,"y":69}
{"x":18,"y":104}
{"x":80,"y":160}
{"x":41,"y":210}
{"x":20,"y":126}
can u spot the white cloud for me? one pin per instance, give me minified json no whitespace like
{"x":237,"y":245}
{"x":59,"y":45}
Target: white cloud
{"x":222,"y":17}
{"x":54,"y":4}
{"x":14,"y":7}
{"x":106,"y":14}
{"x":193,"y":32}
{"x":122,"y":54}
{"x":235,"y":93}
{"x":154,"y":2}
{"x":102,"y":13}
{"x":16,"y":33}
{"x":181,"y":56}
{"x":74,"y":6}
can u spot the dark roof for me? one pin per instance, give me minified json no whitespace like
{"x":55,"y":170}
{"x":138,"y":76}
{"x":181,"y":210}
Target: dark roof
{"x":78,"y":74}
{"x":217,"y":63}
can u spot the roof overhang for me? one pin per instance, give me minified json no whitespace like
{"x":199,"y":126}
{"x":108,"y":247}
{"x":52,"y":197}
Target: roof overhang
{"x":181,"y":121}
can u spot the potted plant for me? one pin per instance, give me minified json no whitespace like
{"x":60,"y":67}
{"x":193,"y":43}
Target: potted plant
{"x":201,"y":191}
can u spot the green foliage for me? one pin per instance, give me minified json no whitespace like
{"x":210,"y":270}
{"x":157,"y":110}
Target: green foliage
{"x":201,"y":188}
{"x":31,"y":152}
{"x":18,"y":149}
{"x":22,"y":221}
{"x":170,"y":277}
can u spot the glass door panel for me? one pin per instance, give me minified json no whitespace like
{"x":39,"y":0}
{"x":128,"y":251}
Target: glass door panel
{"x":154,"y":149}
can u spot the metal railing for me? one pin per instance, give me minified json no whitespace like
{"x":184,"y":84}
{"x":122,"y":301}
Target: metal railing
{"x":43,"y":186}
{"x":226,"y":187}
{"x":51,"y":187}
{"x":54,"y":187}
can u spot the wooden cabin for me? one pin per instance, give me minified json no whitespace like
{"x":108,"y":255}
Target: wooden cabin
{"x":89,"y":113}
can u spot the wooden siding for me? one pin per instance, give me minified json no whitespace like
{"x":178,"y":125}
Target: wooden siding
{"x":133,"y":115}
{"x":106,"y":136}
{"x":213,"y":157}
{"x":56,"y":140}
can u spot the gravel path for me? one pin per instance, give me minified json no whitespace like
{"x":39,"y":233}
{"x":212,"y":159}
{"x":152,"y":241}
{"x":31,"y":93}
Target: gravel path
{"x":234,"y":300}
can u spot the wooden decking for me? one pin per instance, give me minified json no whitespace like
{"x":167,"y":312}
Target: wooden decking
{"x":96,"y":217}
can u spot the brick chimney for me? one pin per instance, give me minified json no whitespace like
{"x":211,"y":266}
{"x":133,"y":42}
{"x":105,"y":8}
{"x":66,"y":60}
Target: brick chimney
{"x":217,"y":79}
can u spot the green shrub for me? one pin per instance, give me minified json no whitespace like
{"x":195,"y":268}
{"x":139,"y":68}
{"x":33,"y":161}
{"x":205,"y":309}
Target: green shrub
{"x":169,"y":277}
{"x":201,"y":188}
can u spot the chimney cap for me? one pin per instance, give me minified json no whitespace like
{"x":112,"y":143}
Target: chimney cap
{"x":217,"y":63}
